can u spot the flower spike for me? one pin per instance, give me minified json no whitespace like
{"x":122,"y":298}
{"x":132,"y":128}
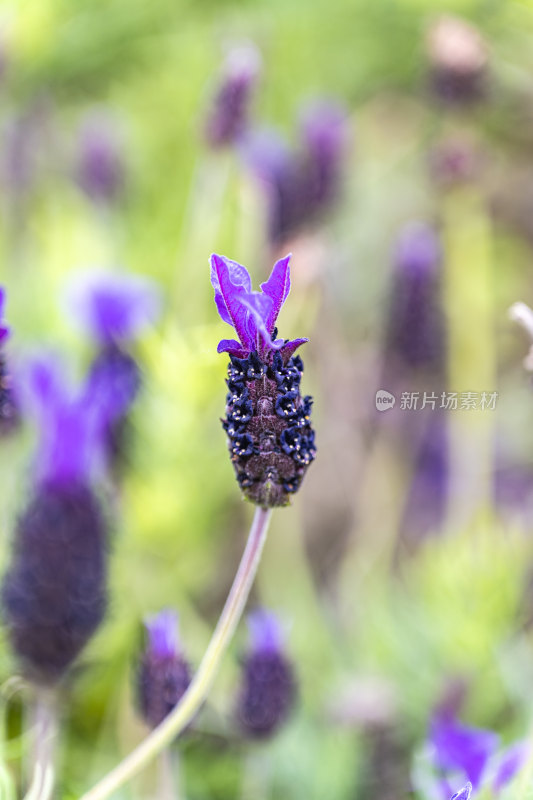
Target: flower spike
{"x":270,"y":438}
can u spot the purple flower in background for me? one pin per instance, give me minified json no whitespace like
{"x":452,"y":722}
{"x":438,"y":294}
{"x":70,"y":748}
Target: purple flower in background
{"x":4,"y":327}
{"x":99,"y":165}
{"x":464,"y":793}
{"x":114,"y":308}
{"x":54,"y":592}
{"x":228,"y":117}
{"x":458,"y":61}
{"x":509,"y":765}
{"x":268,"y":688}
{"x":461,"y":749}
{"x":9,"y":412}
{"x":164,"y":675}
{"x":270,"y":438}
{"x":300,"y":185}
{"x":415,"y":335}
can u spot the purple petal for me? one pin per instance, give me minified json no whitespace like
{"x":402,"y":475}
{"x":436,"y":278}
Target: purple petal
{"x":460,"y":747}
{"x":162,"y":632}
{"x":277,"y":287}
{"x":113,"y":306}
{"x":4,"y":328}
{"x":511,"y":762}
{"x":266,"y":632}
{"x":290,"y":347}
{"x":232,"y":347}
{"x":259,"y":307}
{"x":232,"y":283}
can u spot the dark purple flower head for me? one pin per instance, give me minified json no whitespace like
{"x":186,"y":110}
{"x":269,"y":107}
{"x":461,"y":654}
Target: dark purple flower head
{"x":458,"y":61}
{"x":253,"y":315}
{"x":113,"y":307}
{"x":458,"y":748}
{"x":415,"y":332}
{"x":227,"y":119}
{"x":4,"y":327}
{"x":70,"y":421}
{"x":163,"y":675}
{"x":464,"y":793}
{"x":268,"y":687}
{"x":100,"y":166}
{"x":301,"y":184}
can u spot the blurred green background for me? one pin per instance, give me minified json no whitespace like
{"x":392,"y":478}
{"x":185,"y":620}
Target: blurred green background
{"x":380,"y":629}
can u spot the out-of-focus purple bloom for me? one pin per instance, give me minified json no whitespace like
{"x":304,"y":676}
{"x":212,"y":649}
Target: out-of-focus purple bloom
{"x":113,"y":307}
{"x":71,"y":421}
{"x":20,"y":143}
{"x":303,"y":184}
{"x":164,"y":675}
{"x":458,"y":61}
{"x":268,"y":687}
{"x":510,"y":764}
{"x":464,"y":793}
{"x":228,"y":115}
{"x":253,"y":315}
{"x":454,"y":161}
{"x":415,"y":334}
{"x":4,"y":327}
{"x":458,"y":748}
{"x":100,"y":168}
{"x":428,"y":494}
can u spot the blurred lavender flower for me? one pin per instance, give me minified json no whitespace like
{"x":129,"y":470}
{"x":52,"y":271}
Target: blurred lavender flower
{"x":458,"y":748}
{"x":268,"y":689}
{"x":54,"y":593}
{"x":270,"y":437}
{"x":415,"y":335}
{"x":164,"y":675}
{"x":228,"y":117}
{"x":464,"y":793}
{"x":455,"y":160}
{"x":114,"y":309}
{"x":21,"y":140}
{"x":99,"y":168}
{"x":458,"y":61}
{"x":9,"y":413}
{"x":302,"y":185}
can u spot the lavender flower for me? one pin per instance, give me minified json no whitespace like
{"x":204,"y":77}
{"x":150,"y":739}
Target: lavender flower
{"x":415,"y":334}
{"x":99,"y":161}
{"x":114,"y":309}
{"x":164,"y":675}
{"x":458,"y":61}
{"x":9,"y":415}
{"x":464,"y":793}
{"x":460,"y":748}
{"x":270,"y":437}
{"x":268,"y":687}
{"x":302,"y":185}
{"x":228,"y":115}
{"x":54,"y":593}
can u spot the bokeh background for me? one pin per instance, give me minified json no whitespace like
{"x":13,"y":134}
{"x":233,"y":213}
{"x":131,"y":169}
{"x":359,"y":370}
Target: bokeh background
{"x":403,"y":568}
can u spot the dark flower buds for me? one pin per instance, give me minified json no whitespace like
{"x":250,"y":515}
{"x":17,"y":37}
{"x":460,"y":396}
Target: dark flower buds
{"x":164,"y":675}
{"x":9,"y":414}
{"x":268,"y":687}
{"x":270,"y":438}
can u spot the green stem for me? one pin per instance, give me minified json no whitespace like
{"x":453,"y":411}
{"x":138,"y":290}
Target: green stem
{"x":44,"y":741}
{"x":189,"y":704}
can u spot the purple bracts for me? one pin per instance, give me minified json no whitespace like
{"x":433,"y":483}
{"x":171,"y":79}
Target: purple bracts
{"x":164,"y":675}
{"x":464,"y":793}
{"x":270,"y":438}
{"x":268,"y":689}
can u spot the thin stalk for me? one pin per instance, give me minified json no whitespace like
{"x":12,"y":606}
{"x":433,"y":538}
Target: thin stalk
{"x":44,"y":731}
{"x":191,"y":701}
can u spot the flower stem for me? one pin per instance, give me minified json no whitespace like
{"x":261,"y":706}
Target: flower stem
{"x":189,"y":704}
{"x":44,"y":742}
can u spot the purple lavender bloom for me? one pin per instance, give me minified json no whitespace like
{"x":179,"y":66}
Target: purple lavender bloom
{"x":510,"y":764}
{"x":270,"y":437}
{"x":54,"y":593}
{"x":415,"y":334}
{"x":458,"y":62}
{"x":164,"y":675}
{"x":268,"y":688}
{"x":458,"y":748}
{"x":99,"y":162}
{"x":9,"y":412}
{"x":113,"y":307}
{"x":4,"y":327}
{"x":464,"y":793}
{"x":228,"y":117}
{"x":301,"y":185}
